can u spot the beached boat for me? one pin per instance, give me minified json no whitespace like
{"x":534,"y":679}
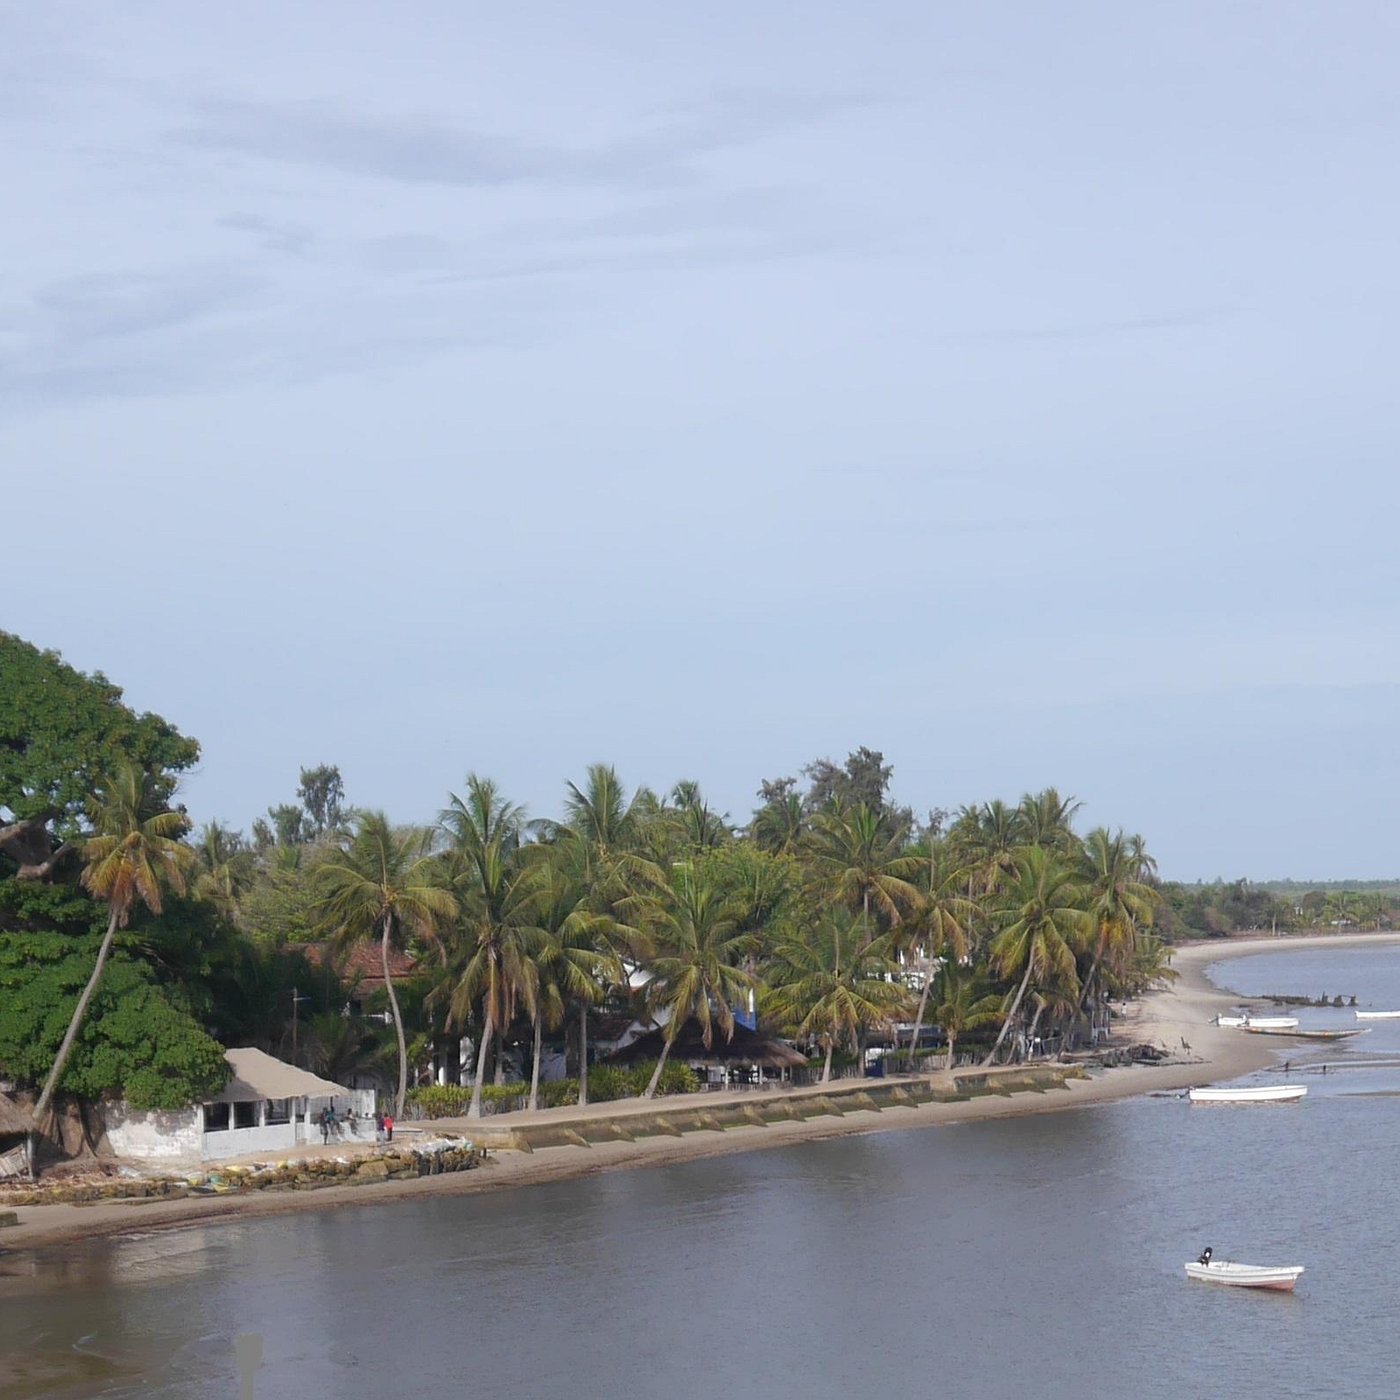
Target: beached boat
{"x":1378,"y":1015}
{"x":1281,"y":1278}
{"x":1232,"y":1020}
{"x":1310,"y":1035}
{"x":1264,"y":1093}
{"x":1270,"y":1023}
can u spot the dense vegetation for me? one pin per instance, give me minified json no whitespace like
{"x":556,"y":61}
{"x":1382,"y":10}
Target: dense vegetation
{"x":835,"y":916}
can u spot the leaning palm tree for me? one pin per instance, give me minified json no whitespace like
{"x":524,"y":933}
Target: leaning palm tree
{"x":134,"y":849}
{"x":1042,"y":922}
{"x":834,"y":982}
{"x":698,"y":972}
{"x":384,"y":884}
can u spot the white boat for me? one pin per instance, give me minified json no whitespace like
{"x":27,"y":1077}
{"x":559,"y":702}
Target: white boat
{"x":1264,"y":1093}
{"x":1378,"y":1015}
{"x":1232,"y":1020}
{"x":1246,"y":1275}
{"x":1270,"y":1023}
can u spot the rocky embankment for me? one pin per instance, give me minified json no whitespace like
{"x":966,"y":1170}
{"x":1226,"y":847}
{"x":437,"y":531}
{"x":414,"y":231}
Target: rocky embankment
{"x":293,"y":1174}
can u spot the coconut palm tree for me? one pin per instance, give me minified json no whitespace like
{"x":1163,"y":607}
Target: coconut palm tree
{"x":941,"y":929}
{"x":134,"y":849}
{"x":1119,"y":902}
{"x":490,"y":964}
{"x":1046,"y":819}
{"x":573,"y":952}
{"x":835,"y":982}
{"x":964,"y":1003}
{"x":384,"y":884}
{"x":701,"y":944}
{"x":987,"y":839}
{"x":1042,"y":922}
{"x":226,"y":869}
{"x":780,"y":826}
{"x":862,"y":863}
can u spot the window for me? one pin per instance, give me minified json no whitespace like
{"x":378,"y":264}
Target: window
{"x":245,"y":1115}
{"x":215,"y":1117}
{"x":279,"y":1111}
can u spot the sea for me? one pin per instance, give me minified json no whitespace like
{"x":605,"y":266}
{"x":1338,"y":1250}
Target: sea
{"x":1031,"y":1257}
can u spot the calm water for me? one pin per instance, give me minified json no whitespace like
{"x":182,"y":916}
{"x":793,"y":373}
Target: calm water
{"x":1040,"y":1257}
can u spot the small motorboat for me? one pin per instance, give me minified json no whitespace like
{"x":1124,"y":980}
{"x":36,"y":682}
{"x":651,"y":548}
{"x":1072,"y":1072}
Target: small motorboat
{"x":1282,"y":1278}
{"x":1264,"y":1093}
{"x":1378,"y":1015}
{"x":1232,"y":1020}
{"x":1270,"y":1023}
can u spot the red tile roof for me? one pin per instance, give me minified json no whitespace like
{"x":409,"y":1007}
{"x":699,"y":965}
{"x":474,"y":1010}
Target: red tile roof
{"x":361,"y":966}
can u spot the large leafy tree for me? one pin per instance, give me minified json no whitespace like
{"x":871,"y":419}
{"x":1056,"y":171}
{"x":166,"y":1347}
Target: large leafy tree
{"x":134,"y":851}
{"x":61,"y":732}
{"x":384,"y":886}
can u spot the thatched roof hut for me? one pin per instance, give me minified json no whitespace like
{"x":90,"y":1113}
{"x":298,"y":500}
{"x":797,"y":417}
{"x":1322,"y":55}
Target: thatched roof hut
{"x":745,"y":1047}
{"x":14,"y":1120}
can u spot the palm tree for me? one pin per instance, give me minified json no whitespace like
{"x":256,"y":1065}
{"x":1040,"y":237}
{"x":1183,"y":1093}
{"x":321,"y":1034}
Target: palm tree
{"x":491,"y":963}
{"x":134,"y":849}
{"x":342,"y":1046}
{"x":385,"y":884}
{"x":573,"y":952}
{"x":941,"y":928}
{"x":987,"y":837}
{"x":1119,"y":901}
{"x":226,"y":869}
{"x":780,"y":826}
{"x":863,"y":864}
{"x":835,"y":982}
{"x":964,"y":1004}
{"x":1042,"y":922}
{"x":701,"y":945}
{"x":1045,"y":819}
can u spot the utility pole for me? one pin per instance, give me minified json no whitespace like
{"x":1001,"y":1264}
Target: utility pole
{"x":297,"y":1000}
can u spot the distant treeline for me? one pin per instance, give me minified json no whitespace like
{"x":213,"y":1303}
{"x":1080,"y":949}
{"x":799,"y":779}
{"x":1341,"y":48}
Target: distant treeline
{"x":1201,"y":910}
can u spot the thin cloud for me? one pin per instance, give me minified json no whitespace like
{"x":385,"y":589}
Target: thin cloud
{"x":424,"y":150}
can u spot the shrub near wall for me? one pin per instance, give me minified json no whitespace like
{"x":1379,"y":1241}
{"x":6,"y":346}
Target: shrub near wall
{"x":606,"y":1083}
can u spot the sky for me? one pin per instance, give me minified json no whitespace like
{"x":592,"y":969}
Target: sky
{"x":710,"y":389}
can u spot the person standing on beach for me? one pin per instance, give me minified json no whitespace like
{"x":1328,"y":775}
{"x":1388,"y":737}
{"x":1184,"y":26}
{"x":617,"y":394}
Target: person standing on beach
{"x":388,"y":1127}
{"x":325,"y":1125}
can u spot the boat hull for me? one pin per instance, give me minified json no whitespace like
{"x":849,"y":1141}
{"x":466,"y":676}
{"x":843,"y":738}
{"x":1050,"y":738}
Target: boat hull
{"x":1378,"y":1015}
{"x":1272,"y":1093}
{"x":1308,"y":1035}
{"x":1278,"y":1280}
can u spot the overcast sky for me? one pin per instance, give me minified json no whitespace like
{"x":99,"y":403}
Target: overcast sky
{"x":710,"y":388}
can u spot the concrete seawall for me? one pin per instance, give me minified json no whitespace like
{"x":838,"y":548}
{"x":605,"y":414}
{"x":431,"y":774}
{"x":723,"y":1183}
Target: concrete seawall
{"x":628,"y":1120}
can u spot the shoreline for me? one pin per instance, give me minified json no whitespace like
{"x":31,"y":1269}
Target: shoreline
{"x":1177,"y":1017}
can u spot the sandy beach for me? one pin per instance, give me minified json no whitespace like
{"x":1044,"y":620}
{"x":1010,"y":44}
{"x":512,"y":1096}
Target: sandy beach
{"x":1178,"y":1019}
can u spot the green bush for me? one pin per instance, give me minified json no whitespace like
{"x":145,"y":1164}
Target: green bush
{"x":605,"y":1084}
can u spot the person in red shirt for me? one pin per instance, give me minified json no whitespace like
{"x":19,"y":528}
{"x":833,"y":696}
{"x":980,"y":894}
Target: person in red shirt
{"x":388,"y":1127}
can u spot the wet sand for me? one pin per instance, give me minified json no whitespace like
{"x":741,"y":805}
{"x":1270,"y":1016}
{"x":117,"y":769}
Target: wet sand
{"x":1177,"y":1019}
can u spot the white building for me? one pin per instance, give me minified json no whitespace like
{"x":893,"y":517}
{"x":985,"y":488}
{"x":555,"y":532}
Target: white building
{"x":266,"y":1106}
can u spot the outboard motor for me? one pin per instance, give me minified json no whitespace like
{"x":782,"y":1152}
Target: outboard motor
{"x":1205,"y":1255}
